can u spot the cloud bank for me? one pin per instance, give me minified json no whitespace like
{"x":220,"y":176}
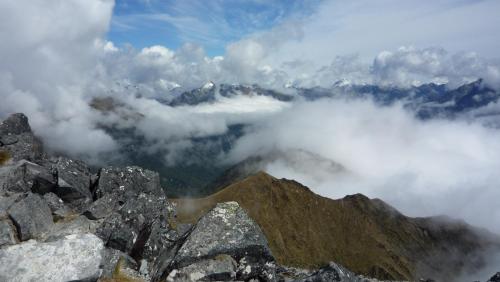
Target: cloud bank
{"x":422,"y":168}
{"x":49,"y":51}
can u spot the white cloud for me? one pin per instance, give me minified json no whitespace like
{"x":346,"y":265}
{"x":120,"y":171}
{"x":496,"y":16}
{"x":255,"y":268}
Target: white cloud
{"x":369,"y":27}
{"x":49,"y":51}
{"x":411,"y":66}
{"x":422,"y":168}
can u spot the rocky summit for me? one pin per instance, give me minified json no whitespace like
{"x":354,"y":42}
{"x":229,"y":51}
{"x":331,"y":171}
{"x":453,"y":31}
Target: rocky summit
{"x":61,"y":221}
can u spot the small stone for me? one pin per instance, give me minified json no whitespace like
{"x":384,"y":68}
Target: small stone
{"x":254,"y":268}
{"x":57,"y":207}
{"x":102,"y":207}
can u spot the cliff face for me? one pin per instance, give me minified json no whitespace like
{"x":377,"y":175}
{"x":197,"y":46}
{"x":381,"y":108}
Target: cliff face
{"x":367,"y":236}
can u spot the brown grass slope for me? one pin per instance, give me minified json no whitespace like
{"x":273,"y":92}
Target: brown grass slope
{"x":367,"y":236}
{"x":4,"y":157}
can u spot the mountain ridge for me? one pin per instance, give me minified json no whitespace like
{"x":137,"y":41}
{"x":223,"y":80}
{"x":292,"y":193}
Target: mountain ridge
{"x":306,"y":230}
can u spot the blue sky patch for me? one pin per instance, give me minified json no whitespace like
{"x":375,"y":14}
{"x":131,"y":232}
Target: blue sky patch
{"x":212,"y":24}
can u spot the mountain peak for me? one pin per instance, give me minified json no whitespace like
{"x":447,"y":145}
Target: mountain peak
{"x":209,"y":85}
{"x":306,"y":230}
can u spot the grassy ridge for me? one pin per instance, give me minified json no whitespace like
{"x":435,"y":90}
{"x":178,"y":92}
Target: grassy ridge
{"x":367,"y":236}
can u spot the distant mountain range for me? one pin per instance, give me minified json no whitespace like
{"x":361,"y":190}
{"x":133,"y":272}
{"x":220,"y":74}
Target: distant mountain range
{"x":427,"y":101}
{"x":209,"y":93}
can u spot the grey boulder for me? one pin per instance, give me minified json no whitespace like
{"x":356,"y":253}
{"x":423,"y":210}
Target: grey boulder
{"x":73,"y":258}
{"x":102,"y":207}
{"x":128,"y":182}
{"x":73,"y":181}
{"x":24,"y":176}
{"x":134,"y":211}
{"x":31,"y":215}
{"x":57,"y":206}
{"x":15,"y":124}
{"x":226,"y":229}
{"x":18,"y":140}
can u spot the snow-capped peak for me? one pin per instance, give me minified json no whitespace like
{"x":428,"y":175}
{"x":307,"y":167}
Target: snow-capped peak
{"x":208,"y":85}
{"x":342,"y":82}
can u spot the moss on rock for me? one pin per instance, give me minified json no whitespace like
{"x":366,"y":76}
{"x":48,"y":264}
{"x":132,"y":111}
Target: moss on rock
{"x":4,"y":157}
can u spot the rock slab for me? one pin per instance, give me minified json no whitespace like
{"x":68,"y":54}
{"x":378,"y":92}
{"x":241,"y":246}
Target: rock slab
{"x":226,"y":229}
{"x":73,"y":258}
{"x":32,"y":217}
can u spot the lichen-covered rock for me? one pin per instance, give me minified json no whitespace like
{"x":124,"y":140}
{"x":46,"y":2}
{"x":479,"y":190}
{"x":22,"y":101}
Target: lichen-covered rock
{"x":103,"y":207}
{"x":226,"y":229}
{"x":57,"y":207}
{"x":24,"y":176}
{"x":31,"y":215}
{"x":220,"y":268}
{"x":134,"y":211}
{"x":128,"y":182}
{"x":163,"y":264}
{"x":17,"y":139}
{"x":8,"y":234}
{"x":254,"y":268}
{"x":73,"y":181}
{"x":73,"y":258}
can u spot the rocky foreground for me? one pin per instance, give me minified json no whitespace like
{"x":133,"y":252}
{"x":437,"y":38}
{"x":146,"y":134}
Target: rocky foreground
{"x":61,"y":222}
